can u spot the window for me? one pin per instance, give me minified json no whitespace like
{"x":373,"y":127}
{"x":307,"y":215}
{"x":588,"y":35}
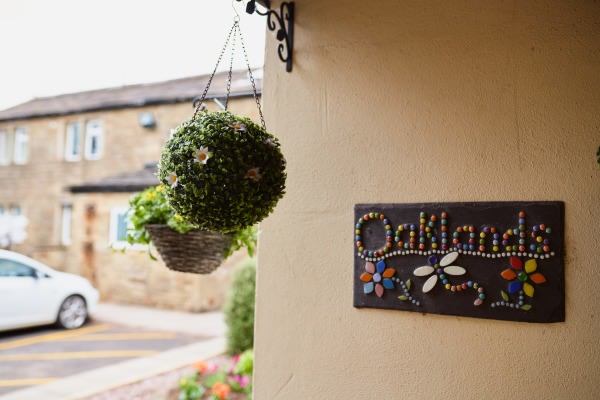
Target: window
{"x":66,"y":225}
{"x":118,"y":228}
{"x":13,"y":226}
{"x":93,"y":140}
{"x":4,"y":148}
{"x":21,"y":150}
{"x":73,"y":142}
{"x":13,"y":268}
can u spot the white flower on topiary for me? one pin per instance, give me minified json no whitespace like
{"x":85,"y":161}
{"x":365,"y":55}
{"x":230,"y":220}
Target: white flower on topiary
{"x":202,"y":155}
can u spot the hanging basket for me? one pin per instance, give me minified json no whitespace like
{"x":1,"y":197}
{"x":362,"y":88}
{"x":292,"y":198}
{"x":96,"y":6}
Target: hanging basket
{"x":197,"y":251}
{"x":222,"y":172}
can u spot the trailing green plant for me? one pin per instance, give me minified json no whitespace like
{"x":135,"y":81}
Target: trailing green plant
{"x":239,"y":308}
{"x":244,"y":238}
{"x":152,"y":207}
{"x":222,"y":172}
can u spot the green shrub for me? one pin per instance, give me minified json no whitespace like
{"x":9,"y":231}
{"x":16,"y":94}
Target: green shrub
{"x":239,"y":308}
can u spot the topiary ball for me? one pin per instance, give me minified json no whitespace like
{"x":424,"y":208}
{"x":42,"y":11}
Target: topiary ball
{"x":222,"y":172}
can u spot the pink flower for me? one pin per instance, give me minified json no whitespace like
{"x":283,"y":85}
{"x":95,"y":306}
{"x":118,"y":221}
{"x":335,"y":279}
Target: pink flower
{"x":242,"y":380}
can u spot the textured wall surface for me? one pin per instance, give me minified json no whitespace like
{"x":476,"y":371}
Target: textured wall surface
{"x":397,"y":101}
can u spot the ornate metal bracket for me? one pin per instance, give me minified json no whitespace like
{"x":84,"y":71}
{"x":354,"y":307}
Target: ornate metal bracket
{"x":282,"y":23}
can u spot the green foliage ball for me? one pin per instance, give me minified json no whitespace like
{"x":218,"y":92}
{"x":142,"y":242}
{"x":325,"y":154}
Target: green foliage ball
{"x":239,"y":308}
{"x":222,"y":172}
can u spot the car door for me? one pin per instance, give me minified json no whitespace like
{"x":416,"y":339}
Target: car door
{"x":25,"y":297}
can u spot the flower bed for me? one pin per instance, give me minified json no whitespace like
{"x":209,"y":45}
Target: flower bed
{"x":167,"y":386}
{"x":228,"y":378}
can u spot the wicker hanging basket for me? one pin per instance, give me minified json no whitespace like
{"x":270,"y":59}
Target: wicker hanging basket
{"x":197,"y":251}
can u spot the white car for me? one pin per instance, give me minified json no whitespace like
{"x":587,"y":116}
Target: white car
{"x":31,"y":294}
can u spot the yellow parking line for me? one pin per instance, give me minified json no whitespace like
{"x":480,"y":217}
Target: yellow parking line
{"x":53,"y":336}
{"x":26,"y":382}
{"x":125,"y":336}
{"x":76,"y":355}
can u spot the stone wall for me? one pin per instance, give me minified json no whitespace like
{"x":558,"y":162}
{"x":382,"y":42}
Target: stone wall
{"x":131,"y":276}
{"x":41,"y":188}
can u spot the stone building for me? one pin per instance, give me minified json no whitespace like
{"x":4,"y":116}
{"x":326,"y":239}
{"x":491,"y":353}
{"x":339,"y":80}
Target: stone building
{"x":70,"y":163}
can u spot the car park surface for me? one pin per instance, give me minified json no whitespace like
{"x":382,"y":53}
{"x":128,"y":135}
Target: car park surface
{"x":36,"y":356}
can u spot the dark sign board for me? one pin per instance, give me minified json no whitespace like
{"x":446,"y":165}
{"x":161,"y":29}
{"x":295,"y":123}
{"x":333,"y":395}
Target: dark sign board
{"x":500,"y":260}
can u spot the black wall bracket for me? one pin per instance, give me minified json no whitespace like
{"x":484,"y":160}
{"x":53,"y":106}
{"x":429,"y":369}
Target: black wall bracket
{"x":282,"y":23}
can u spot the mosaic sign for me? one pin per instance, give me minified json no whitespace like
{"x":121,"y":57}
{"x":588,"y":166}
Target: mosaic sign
{"x":499,"y":260}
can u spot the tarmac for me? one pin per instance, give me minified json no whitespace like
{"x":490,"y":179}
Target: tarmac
{"x":208,"y":324}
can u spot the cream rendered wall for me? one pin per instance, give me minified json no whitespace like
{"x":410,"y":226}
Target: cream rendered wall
{"x":398,"y":101}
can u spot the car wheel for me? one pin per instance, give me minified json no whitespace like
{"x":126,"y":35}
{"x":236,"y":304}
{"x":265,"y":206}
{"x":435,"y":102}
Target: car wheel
{"x":72,"y":313}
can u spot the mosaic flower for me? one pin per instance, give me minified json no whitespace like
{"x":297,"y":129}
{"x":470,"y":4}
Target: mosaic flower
{"x":377,"y":278}
{"x":238,"y":127}
{"x":202,"y":155}
{"x":172,"y":180}
{"x":439,"y":270}
{"x":254,"y":174}
{"x":519,"y":275}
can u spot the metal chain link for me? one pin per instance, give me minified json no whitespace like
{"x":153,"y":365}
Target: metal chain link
{"x":262,"y":119}
{"x":235,"y":30}
{"x":201,"y":100}
{"x":236,"y":23}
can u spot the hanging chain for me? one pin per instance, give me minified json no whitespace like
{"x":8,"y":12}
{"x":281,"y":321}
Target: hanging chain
{"x":262,"y":119}
{"x":235,"y":30}
{"x":201,"y":100}
{"x":237,"y":25}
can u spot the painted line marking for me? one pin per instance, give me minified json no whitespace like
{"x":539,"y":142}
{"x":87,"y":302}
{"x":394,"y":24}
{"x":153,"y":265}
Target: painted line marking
{"x":124,"y":336}
{"x":53,"y":336}
{"x":26,"y":382}
{"x":77,"y":355}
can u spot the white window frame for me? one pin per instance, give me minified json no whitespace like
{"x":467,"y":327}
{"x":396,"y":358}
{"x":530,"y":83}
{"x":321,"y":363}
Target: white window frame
{"x":4,"y":148}
{"x":93,"y":133}
{"x":113,"y":239}
{"x":13,"y":218}
{"x":73,"y":142}
{"x":66,"y":232}
{"x":21,"y":146}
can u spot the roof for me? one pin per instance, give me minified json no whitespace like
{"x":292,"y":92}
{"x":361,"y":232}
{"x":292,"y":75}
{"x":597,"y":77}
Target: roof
{"x":167,"y":92}
{"x":127,"y":182}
